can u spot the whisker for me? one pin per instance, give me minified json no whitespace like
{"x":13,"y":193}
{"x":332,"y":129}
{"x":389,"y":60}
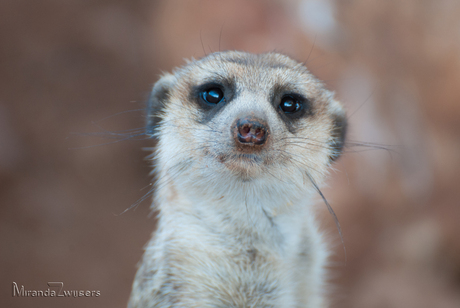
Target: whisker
{"x":304,"y":63}
{"x":301,"y":163}
{"x":331,"y":211}
{"x":138,"y":202}
{"x":107,"y":143}
{"x":119,"y":113}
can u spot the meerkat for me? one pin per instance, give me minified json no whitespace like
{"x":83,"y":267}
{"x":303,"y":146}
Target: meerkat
{"x":244,"y":140}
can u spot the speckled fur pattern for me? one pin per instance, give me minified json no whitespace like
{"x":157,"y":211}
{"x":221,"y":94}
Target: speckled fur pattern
{"x":236,"y":229}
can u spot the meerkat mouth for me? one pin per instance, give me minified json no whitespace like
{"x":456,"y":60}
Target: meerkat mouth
{"x":245,"y":165}
{"x":241,"y":157}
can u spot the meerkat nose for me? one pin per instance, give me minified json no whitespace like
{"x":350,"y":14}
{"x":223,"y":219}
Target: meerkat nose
{"x":250,"y":131}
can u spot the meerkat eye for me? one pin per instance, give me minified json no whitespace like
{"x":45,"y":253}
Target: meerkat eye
{"x":213,"y":96}
{"x":290,"y":105}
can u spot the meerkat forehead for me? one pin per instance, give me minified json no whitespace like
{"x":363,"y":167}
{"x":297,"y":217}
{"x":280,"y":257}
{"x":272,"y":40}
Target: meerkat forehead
{"x":251,"y":72}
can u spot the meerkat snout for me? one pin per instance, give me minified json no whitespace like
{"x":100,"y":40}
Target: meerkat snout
{"x":250,"y":132}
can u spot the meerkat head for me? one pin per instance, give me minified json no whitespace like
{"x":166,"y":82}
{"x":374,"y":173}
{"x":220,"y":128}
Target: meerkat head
{"x":244,"y":117}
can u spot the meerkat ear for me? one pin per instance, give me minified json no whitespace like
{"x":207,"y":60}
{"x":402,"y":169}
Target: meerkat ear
{"x":338,"y":133}
{"x":156,"y":101}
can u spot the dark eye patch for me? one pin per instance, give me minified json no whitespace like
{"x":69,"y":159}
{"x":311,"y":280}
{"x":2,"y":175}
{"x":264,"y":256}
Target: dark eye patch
{"x":294,"y":105}
{"x":291,"y":104}
{"x":211,"y":97}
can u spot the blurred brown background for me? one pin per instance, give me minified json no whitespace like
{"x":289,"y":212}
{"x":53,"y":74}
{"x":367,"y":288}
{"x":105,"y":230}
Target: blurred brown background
{"x":70,"y":68}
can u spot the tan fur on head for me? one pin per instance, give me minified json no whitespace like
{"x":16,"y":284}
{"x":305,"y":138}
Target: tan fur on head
{"x":241,"y":138}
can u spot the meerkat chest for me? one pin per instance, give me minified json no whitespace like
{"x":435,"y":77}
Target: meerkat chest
{"x":226,"y":266}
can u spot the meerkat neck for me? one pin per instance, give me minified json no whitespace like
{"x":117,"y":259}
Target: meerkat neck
{"x":257,"y":215}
